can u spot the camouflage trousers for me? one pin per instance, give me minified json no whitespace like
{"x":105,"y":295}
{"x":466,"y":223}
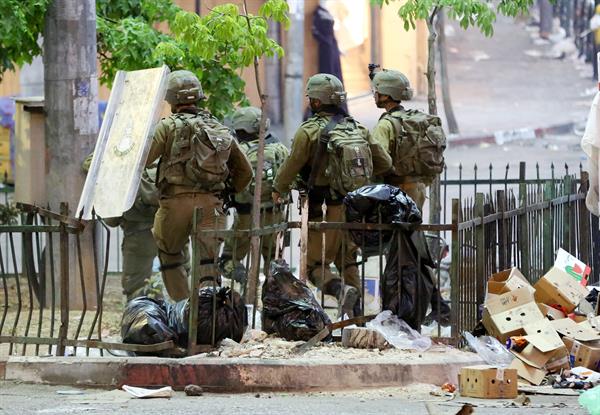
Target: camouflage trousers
{"x":172,"y":230}
{"x":338,"y":249}
{"x":236,"y":248}
{"x":138,"y":250}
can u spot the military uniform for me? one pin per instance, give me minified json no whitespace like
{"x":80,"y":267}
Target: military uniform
{"x":180,"y":194}
{"x":137,"y":247}
{"x":338,"y":249}
{"x":413,"y":186}
{"x":236,"y":248}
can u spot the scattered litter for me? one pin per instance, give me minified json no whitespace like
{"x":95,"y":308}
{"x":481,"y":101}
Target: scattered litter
{"x":488,"y":382}
{"x":71,"y":392}
{"x":546,"y":390}
{"x":289,"y":306}
{"x":193,"y":390}
{"x":489,"y":349}
{"x":591,"y":400}
{"x":522,"y":400}
{"x":479,"y":56}
{"x":449,"y":387}
{"x":534,"y":53}
{"x":398,"y":333}
{"x":143,"y":393}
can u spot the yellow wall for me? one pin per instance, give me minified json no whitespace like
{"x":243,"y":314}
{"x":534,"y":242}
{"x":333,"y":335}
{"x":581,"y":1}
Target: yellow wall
{"x":402,"y":50}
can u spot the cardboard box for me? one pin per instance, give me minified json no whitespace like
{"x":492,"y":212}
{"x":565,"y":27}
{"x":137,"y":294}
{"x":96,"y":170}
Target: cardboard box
{"x":543,"y":340}
{"x":577,"y":269}
{"x":557,"y":287}
{"x":505,"y":315}
{"x":508,"y":280}
{"x":579,"y":331}
{"x":585,"y":354}
{"x":488,"y":382}
{"x":559,"y":361}
{"x":531,"y":374}
{"x":551,"y":312}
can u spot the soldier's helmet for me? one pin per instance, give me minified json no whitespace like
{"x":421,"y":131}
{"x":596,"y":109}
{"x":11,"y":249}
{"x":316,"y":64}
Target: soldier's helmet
{"x":248,"y":120}
{"x":183,"y":88}
{"x":392,"y":83}
{"x":327,"y":88}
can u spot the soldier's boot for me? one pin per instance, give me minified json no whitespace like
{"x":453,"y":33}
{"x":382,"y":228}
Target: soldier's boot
{"x":233,"y":270}
{"x":347,"y":297}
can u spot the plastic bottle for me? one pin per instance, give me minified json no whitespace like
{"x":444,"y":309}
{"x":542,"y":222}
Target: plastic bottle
{"x":590,"y":400}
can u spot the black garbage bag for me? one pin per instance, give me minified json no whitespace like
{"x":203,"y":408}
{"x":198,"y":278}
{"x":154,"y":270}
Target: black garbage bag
{"x":407,"y":283}
{"x":379,"y":202}
{"x":592,"y":298}
{"x":231,"y":318}
{"x":145,"y":322}
{"x":289,"y":307}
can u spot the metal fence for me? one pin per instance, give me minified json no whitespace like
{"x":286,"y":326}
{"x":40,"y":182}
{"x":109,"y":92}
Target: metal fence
{"x":518,"y":229}
{"x":50,"y":304}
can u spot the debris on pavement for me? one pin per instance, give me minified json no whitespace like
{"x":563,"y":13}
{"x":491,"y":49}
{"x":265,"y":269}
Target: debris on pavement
{"x":193,"y":390}
{"x":489,"y":382}
{"x":143,"y":393}
{"x":591,"y":400}
{"x":398,"y":333}
{"x":547,"y":332}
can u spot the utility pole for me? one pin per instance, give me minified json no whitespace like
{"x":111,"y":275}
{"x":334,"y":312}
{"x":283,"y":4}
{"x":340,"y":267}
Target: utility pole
{"x":71,"y":104}
{"x":294,"y":71}
{"x":273,"y":75}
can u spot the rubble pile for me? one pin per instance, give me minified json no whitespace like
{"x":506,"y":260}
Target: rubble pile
{"x":551,"y":328}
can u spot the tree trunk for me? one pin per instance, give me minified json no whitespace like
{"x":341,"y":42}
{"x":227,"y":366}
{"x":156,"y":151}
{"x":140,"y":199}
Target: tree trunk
{"x":71,"y":104}
{"x":294,"y":72}
{"x":434,"y":189}
{"x":448,"y":110}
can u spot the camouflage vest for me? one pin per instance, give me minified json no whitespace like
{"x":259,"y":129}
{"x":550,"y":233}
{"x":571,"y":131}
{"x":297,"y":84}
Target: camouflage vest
{"x":275,"y":154}
{"x":420,"y":143}
{"x":198,"y":154}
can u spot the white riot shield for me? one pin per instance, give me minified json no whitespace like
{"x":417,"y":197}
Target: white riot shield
{"x":123,"y":142}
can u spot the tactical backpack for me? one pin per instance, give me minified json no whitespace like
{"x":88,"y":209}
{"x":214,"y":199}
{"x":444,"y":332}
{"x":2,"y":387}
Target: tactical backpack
{"x":273,"y":159}
{"x":199,"y":153}
{"x":350,"y":163}
{"x":420,"y":143}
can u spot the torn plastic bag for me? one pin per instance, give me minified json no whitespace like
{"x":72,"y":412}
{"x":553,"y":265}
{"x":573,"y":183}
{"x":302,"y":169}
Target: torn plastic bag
{"x":231,"y":317}
{"x":376,"y":203}
{"x":289,"y":307}
{"x":407,"y":284}
{"x":398,"y":333}
{"x":145,"y":322}
{"x":489,"y":349}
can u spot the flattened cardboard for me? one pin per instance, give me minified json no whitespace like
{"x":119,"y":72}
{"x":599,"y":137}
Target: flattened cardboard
{"x":551,"y":312}
{"x":505,"y":315}
{"x":488,"y":382}
{"x":559,"y":361}
{"x":583,"y":354}
{"x":508,"y":280}
{"x":558,"y":287}
{"x":529,"y":373}
{"x":579,"y":331}
{"x":543,"y":336}
{"x":532,"y":356}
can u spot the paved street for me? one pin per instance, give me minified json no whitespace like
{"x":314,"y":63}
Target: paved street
{"x":25,"y":399}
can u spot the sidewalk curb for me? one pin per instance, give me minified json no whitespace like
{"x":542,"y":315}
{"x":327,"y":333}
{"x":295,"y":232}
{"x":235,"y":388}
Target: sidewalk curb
{"x":505,"y":136}
{"x":234,"y":375}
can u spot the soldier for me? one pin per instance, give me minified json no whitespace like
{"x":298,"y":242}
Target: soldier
{"x":198,"y":155}
{"x":245,"y":121}
{"x":415,"y":142}
{"x":334,"y":155}
{"x":138,"y":247}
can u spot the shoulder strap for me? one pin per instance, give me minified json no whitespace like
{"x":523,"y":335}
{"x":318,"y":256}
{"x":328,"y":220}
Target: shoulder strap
{"x":317,"y":164}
